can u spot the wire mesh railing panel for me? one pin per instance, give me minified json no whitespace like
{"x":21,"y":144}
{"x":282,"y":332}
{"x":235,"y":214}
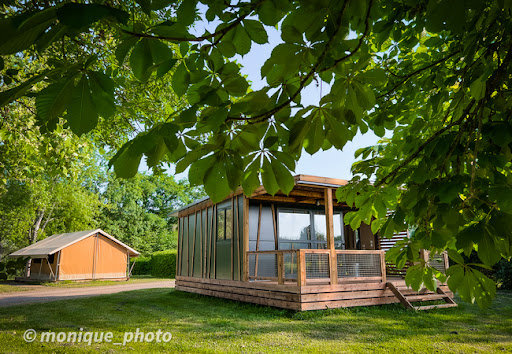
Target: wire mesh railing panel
{"x":436,"y":261}
{"x":263,"y":265}
{"x":352,"y":265}
{"x":290,"y":266}
{"x":317,"y":265}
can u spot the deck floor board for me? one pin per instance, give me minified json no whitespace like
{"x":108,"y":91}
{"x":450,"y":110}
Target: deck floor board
{"x":308,"y":297}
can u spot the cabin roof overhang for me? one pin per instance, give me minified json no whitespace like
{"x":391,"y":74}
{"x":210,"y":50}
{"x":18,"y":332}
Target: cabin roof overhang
{"x":307,"y":190}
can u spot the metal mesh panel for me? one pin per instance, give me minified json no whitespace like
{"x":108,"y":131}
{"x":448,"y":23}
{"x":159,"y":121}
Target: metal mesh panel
{"x":358,"y":265}
{"x":290,"y":266}
{"x":267,"y":265}
{"x":317,"y":265}
{"x":437,"y":261}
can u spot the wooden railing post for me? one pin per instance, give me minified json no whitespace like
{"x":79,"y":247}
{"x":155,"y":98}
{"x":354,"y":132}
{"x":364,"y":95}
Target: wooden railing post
{"x":333,"y":260}
{"x":446,"y":261}
{"x":425,"y":255}
{"x":301,"y":268}
{"x":383,"y":265}
{"x":245,"y":216}
{"x":280,"y":267}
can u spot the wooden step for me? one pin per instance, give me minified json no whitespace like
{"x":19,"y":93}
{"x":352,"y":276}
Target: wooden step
{"x":430,"y":307}
{"x":424,"y":297}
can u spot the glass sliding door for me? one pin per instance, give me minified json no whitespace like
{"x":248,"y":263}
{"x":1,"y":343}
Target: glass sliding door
{"x":294,"y":229}
{"x":320,"y":226}
{"x":307,"y":229}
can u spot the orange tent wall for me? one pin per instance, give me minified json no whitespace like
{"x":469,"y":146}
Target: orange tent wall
{"x":96,"y":257}
{"x":111,"y":259}
{"x":76,"y":261}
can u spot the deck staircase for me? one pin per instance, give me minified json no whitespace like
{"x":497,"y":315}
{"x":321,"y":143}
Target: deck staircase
{"x":407,"y":296}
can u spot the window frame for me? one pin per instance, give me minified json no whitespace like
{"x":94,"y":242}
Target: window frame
{"x":223,"y":210}
{"x":312,"y":242}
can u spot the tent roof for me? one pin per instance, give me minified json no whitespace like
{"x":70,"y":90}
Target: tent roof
{"x":55,"y":243}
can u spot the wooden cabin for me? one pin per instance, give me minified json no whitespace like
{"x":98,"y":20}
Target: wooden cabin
{"x":290,"y":251}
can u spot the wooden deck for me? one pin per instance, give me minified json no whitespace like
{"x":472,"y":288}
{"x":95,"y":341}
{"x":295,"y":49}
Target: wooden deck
{"x":314,"y":296}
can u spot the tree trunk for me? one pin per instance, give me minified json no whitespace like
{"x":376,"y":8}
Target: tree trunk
{"x":33,"y":232}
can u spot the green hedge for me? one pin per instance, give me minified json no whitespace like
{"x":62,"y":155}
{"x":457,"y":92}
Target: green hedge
{"x":160,"y":264}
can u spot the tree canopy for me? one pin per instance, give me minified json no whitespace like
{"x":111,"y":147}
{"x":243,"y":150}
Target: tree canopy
{"x":435,"y":72}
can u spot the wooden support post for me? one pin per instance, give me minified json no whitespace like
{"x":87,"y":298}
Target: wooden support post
{"x":333,"y":263}
{"x":425,"y":255}
{"x":301,"y":267}
{"x":214,"y":235}
{"x":57,"y":266}
{"x":232,"y":253}
{"x":194,"y":244}
{"x":383,"y":265}
{"x":446,"y":261}
{"x":280,"y":267}
{"x":238,"y":238}
{"x":49,"y":267}
{"x":274,"y":224}
{"x":201,"y":242}
{"x":188,"y":245}
{"x":258,"y":241}
{"x":128,"y":265}
{"x":245,"y":216}
{"x":178,"y":255}
{"x":210,"y":242}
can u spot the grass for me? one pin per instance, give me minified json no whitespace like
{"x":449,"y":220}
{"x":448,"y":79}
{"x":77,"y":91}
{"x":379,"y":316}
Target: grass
{"x":7,"y":287}
{"x":204,"y":324}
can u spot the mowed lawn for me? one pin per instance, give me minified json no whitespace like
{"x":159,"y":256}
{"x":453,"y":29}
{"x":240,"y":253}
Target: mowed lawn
{"x":11,"y":286}
{"x":204,"y":324}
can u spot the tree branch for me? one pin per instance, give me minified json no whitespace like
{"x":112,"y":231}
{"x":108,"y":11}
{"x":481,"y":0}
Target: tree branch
{"x":393,"y":173}
{"x":263,"y":116}
{"x":221,"y":32}
{"x":407,"y":77}
{"x":360,"y":42}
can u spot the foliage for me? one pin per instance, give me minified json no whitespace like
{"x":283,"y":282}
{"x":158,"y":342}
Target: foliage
{"x":141,"y":266}
{"x":504,"y":274}
{"x":10,"y":268}
{"x":436,"y":72}
{"x":160,"y":264}
{"x":137,"y":211}
{"x":30,"y":212}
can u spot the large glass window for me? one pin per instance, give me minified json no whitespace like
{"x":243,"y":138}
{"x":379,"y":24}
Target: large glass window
{"x":307,"y":229}
{"x":320,"y":226}
{"x":224,"y":224}
{"x":294,"y":226}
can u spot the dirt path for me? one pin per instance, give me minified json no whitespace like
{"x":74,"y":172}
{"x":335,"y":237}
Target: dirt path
{"x":45,"y":295}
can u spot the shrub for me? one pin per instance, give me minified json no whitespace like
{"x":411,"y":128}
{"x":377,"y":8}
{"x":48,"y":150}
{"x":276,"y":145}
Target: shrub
{"x":163,"y":264}
{"x":141,"y":266}
{"x":11,"y":268}
{"x":504,"y":274}
{"x":159,"y":264}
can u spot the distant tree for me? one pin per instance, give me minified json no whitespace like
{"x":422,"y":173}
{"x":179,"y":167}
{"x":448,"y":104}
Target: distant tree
{"x":137,"y":210}
{"x":31,"y":212}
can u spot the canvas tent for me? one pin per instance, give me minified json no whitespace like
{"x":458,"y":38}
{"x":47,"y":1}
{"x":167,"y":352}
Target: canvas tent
{"x":82,"y":255}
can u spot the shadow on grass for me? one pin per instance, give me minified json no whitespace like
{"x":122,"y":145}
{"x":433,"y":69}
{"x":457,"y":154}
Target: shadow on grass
{"x":200,"y":319}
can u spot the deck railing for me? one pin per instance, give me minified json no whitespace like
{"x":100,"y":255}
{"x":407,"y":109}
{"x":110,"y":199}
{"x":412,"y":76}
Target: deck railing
{"x":437,"y":261}
{"x":311,"y":266}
